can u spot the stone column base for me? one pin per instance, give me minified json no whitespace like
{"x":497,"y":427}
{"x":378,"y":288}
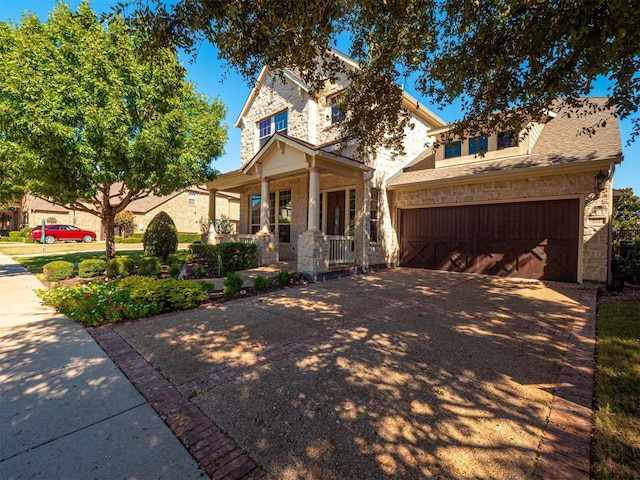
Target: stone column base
{"x":312,"y":255}
{"x":268,"y":250}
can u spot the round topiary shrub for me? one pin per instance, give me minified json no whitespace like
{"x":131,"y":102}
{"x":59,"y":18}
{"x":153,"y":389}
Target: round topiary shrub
{"x":284,"y":278}
{"x":120,"y":267}
{"x":232,"y":285}
{"x":161,"y":237}
{"x":260,"y":283}
{"x":57,"y":270}
{"x":91,"y":267}
{"x":149,"y":266}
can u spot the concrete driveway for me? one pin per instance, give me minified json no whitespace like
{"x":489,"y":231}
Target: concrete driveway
{"x":397,"y":374}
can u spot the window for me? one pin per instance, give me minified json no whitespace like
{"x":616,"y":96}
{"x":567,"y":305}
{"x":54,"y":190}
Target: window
{"x":284,"y":216}
{"x":277,"y":123}
{"x":283,"y":227}
{"x":453,"y":149}
{"x":478,"y":145}
{"x":192,"y":198}
{"x":507,"y":139}
{"x":373,"y":217}
{"x":352,"y":213}
{"x":337,"y":115}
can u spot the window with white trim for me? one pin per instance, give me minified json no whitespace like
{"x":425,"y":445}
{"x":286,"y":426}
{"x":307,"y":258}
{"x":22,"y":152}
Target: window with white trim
{"x":276,"y":123}
{"x":373,"y":216}
{"x":337,"y":115}
{"x":192,"y":198}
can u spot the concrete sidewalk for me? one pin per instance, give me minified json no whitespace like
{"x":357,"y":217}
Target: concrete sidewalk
{"x":66,"y":411}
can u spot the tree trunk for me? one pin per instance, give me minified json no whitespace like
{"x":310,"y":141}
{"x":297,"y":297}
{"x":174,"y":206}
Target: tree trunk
{"x":108,"y":228}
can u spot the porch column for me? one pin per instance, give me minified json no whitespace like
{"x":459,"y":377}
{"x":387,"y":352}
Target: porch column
{"x":264,"y":205}
{"x":314,"y":199}
{"x":212,"y":207}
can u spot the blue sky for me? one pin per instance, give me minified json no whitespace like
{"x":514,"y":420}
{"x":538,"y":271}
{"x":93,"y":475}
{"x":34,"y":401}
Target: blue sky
{"x":212,"y":79}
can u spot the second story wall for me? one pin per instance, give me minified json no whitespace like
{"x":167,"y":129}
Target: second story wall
{"x":275,"y":96}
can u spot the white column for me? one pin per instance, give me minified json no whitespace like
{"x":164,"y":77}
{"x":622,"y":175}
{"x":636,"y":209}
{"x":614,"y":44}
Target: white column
{"x":212,"y":206}
{"x":314,"y":199}
{"x":264,"y":205}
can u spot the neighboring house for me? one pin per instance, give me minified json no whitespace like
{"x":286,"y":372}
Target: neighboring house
{"x":539,"y":207}
{"x":188,"y":208}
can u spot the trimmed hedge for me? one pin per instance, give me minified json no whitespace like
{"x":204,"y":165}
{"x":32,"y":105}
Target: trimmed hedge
{"x":57,"y":270}
{"x":232,"y":256}
{"x":232,"y":285}
{"x":120,"y":267}
{"x":149,"y":266}
{"x":15,"y":236}
{"x":91,"y":267}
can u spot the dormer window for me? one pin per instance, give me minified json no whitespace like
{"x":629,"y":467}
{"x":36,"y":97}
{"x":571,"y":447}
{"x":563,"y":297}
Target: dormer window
{"x":453,"y":149}
{"x":276,"y":123}
{"x":478,"y":145}
{"x":337,"y":115}
{"x":507,"y":139}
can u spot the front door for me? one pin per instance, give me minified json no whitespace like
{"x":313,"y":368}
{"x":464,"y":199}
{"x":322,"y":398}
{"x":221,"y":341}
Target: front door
{"x":335,"y":213}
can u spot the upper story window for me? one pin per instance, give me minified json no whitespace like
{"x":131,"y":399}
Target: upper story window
{"x":478,"y":145}
{"x":276,"y":123}
{"x":192,"y":198}
{"x":507,"y":139}
{"x":337,"y":115}
{"x":453,"y":149}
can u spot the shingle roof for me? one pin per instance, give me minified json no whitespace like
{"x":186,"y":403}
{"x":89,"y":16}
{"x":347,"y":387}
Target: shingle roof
{"x":561,"y":142}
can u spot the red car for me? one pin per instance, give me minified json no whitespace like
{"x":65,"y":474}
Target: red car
{"x":62,"y":233}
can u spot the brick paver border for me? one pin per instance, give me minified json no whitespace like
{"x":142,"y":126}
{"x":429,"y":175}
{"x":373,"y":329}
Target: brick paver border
{"x":564,"y":452}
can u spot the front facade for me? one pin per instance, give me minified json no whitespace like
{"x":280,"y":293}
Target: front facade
{"x":527,"y":206}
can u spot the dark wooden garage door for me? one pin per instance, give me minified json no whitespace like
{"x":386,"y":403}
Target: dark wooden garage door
{"x":527,"y":239}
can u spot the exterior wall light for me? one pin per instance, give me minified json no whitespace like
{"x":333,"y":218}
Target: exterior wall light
{"x":601,"y":179}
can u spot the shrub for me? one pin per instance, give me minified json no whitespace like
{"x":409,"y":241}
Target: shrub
{"x":174,"y":269}
{"x":149,"y":266}
{"x":120,"y":267}
{"x":179,"y":257}
{"x":24,"y":232}
{"x":232,"y":285}
{"x":203,"y":253}
{"x":57,"y":270}
{"x":237,"y":256}
{"x":284,"y":278}
{"x":631,"y":266}
{"x":161,"y":237}
{"x":260,"y":283}
{"x":125,"y":221}
{"x":15,"y":236}
{"x":91,"y":267}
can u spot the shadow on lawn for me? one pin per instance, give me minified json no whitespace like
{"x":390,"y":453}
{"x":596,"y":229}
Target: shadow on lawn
{"x":402,"y":373}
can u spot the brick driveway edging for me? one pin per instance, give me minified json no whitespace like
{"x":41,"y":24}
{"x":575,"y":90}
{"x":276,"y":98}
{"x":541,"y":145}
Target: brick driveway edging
{"x":564,"y":450}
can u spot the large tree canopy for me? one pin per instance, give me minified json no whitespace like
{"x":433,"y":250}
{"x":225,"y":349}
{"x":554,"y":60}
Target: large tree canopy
{"x":90,"y":123}
{"x":626,"y":213}
{"x":510,"y":56}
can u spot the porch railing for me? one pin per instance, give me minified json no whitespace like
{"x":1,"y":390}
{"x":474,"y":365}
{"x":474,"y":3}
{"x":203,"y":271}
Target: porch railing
{"x":342,"y":249}
{"x":233,"y":237}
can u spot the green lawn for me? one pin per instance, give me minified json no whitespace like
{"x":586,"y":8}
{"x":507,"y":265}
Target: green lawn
{"x":35,"y":263}
{"x":616,"y":443}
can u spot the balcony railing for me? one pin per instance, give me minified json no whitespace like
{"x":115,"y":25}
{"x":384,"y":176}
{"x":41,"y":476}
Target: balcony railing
{"x":342,"y":249}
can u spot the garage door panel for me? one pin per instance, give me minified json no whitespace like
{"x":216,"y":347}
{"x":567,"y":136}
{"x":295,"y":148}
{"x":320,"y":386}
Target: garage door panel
{"x":528,"y":239}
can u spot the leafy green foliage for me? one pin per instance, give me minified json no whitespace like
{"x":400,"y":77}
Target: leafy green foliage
{"x":161,"y":237}
{"x":260,"y":283}
{"x":91,"y":267}
{"x":626,"y":213}
{"x":237,"y":256}
{"x":133,"y":297}
{"x":84,"y":115}
{"x":120,"y":267}
{"x":125,"y":221}
{"x":490,"y":56}
{"x":232,"y":285}
{"x":283,"y":278}
{"x":58,"y":270}
{"x":149,"y":266}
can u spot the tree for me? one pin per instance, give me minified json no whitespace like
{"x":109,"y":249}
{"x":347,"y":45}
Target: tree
{"x":125,"y":221}
{"x":509,"y":56}
{"x":161,"y":237}
{"x":88,"y":122}
{"x":626,"y":213}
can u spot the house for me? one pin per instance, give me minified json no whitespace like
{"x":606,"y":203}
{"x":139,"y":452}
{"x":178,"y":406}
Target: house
{"x":188,"y":208}
{"x":532,"y":204}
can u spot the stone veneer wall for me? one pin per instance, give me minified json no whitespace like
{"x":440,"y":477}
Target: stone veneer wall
{"x":274,"y":97}
{"x":186,"y":217}
{"x":596,"y":214}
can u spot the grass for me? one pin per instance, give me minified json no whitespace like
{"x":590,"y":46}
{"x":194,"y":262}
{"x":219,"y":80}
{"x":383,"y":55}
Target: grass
{"x":616,"y":443}
{"x":35,"y":263}
{"x":36,"y":248}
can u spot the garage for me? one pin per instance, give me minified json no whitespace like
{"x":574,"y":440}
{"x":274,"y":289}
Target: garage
{"x":537,"y":239}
